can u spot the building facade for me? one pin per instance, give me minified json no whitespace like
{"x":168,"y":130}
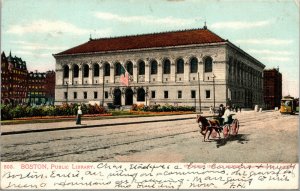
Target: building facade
{"x":272,"y":88}
{"x":13,"y":80}
{"x":41,"y":88}
{"x":20,"y":87}
{"x":165,"y":68}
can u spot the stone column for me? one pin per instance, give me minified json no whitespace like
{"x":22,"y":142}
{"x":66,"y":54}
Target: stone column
{"x":135,"y":72}
{"x":112,"y":74}
{"x":80,"y":74}
{"x":159,"y":70}
{"x":101,"y":73}
{"x":173,"y":70}
{"x":70,"y":74}
{"x":147,"y":71}
{"x":91,"y":74}
{"x":186,"y":71}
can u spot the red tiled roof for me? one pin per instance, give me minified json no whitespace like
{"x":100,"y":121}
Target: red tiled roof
{"x":176,"y":38}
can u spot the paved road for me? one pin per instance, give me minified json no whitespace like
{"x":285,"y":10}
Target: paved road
{"x":263,"y":137}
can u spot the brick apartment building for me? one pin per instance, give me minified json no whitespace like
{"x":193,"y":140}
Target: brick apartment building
{"x":13,"y":80}
{"x":41,"y":88}
{"x":20,"y":87}
{"x":272,"y":88}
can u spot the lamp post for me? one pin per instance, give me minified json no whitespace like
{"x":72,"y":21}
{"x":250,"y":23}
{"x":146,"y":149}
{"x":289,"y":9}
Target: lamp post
{"x":103,"y":86}
{"x":214,"y":90}
{"x":146,"y":94}
{"x":67,"y":92}
{"x":199,"y":92}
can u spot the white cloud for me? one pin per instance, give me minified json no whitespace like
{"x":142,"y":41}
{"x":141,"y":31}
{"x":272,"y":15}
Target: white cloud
{"x":45,"y":26}
{"x":270,"y":52}
{"x":236,"y":25}
{"x":149,"y":20}
{"x":33,"y":54}
{"x":276,"y":59}
{"x":268,"y":41}
{"x":36,"y":46}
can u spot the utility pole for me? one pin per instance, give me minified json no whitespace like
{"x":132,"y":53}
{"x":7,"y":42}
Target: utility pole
{"x":199,"y":92}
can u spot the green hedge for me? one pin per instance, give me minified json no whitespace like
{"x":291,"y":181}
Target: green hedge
{"x":9,"y":112}
{"x":161,"y":108}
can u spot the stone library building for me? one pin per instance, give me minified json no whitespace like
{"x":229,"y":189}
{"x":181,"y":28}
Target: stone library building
{"x":193,"y":67}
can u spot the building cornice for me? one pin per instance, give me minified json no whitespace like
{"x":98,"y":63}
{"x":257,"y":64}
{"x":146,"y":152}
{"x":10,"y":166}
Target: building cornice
{"x":258,"y":63}
{"x":140,"y":50}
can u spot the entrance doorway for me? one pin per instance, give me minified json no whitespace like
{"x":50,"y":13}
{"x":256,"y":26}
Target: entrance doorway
{"x":117,"y":97}
{"x":128,"y":96}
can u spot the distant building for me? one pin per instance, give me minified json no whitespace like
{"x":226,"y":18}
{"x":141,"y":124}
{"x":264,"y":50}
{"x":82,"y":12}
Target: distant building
{"x":14,"y":80}
{"x":50,"y":86}
{"x":41,"y":88}
{"x":272,"y":88}
{"x":165,"y":68}
{"x":20,"y":87}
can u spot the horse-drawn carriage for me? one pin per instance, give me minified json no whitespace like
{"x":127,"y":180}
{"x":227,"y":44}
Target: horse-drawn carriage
{"x":214,"y":126}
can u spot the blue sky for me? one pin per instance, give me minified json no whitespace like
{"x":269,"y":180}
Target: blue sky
{"x":266,"y":29}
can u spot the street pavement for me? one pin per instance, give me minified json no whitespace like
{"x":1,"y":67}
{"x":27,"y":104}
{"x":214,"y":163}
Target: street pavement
{"x":264,"y":136}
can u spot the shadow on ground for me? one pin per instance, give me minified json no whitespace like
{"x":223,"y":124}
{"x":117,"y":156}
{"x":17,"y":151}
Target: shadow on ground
{"x":240,"y":138}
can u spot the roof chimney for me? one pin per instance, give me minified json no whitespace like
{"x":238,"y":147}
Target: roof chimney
{"x":205,"y":27}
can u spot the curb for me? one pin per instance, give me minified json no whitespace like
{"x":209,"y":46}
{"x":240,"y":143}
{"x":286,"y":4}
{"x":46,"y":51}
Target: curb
{"x":90,"y":126}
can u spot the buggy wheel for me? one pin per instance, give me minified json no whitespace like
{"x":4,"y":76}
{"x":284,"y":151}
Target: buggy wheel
{"x":226,"y":131}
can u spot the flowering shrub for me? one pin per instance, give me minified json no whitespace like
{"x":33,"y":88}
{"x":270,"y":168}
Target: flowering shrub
{"x":159,"y":108}
{"x":9,"y":112}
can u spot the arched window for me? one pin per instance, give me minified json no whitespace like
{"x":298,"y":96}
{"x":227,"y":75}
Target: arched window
{"x":194,"y":65}
{"x":129,"y":68}
{"x":140,"y":94}
{"x":75,"y":71}
{"x":96,"y":70}
{"x":153,"y":67}
{"x":85,"y":71}
{"x":180,"y":66}
{"x":118,"y":69}
{"x":208,"y":64}
{"x":106,"y":69}
{"x":66,"y":71}
{"x":167,"y":66}
{"x":141,"y":68}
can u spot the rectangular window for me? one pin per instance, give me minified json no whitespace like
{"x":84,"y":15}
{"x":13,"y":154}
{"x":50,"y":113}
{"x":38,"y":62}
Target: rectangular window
{"x":193,"y":94}
{"x":66,"y":95}
{"x":166,"y":94}
{"x":106,"y":95}
{"x":85,"y":95}
{"x":75,"y":95}
{"x":95,"y":95}
{"x":207,"y":94}
{"x":179,"y":94}
{"x":152,"y":94}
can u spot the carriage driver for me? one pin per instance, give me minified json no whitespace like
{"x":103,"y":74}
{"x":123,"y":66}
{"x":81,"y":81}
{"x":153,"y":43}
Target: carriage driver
{"x":227,"y":116}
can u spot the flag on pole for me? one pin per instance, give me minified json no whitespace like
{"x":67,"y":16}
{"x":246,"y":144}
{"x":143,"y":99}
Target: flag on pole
{"x":124,"y":78}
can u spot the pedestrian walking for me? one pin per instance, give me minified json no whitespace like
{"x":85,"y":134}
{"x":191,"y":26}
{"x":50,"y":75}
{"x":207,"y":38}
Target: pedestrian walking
{"x":211,"y":110}
{"x":78,"y":118}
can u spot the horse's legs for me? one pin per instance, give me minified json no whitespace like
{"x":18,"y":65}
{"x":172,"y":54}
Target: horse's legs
{"x":205,"y":133}
{"x":210,"y":131}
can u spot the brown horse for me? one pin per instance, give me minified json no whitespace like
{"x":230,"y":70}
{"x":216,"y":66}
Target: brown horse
{"x":208,"y":126}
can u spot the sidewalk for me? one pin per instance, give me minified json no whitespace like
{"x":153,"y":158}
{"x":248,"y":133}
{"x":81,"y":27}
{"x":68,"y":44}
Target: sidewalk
{"x":39,"y":127}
